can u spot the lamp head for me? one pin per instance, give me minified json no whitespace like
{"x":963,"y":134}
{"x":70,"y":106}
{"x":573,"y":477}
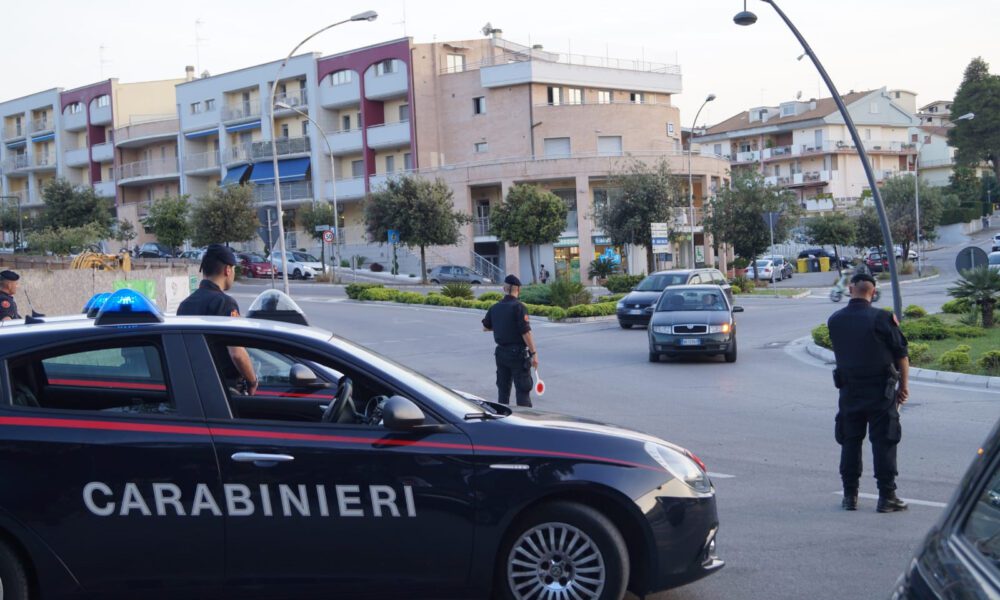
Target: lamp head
{"x":967,"y":117}
{"x":745,"y":18}
{"x":284,"y":105}
{"x":710,"y":98}
{"x":368,"y":15}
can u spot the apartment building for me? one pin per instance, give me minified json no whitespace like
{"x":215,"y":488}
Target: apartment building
{"x":805,"y":146}
{"x":73,"y":134}
{"x":936,"y":114}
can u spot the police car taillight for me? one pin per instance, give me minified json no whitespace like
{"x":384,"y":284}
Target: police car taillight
{"x":274,"y":305}
{"x":95,"y":303}
{"x":128,"y":307}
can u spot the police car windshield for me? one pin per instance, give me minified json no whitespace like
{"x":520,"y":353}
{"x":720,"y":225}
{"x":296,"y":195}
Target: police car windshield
{"x":657,"y":283}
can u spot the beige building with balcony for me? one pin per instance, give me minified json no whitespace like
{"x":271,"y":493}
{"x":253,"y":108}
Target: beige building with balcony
{"x":804,"y":146}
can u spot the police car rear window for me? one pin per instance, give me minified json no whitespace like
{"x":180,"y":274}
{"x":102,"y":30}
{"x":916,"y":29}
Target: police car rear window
{"x":113,"y":378}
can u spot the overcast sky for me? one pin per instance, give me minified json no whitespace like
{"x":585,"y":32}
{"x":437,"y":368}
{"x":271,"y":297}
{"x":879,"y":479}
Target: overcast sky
{"x":912,"y":44}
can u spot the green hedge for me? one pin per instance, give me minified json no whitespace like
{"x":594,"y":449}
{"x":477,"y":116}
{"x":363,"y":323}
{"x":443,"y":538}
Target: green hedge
{"x":821,"y":336}
{"x":354,"y":289}
{"x":920,"y":353}
{"x":622,"y":284}
{"x":600,"y":309}
{"x":536,"y":293}
{"x":379,"y":294}
{"x":990,"y":362}
{"x":914,"y":312}
{"x":494,"y":296}
{"x":609,"y":298}
{"x":957,"y":306}
{"x":410,"y":297}
{"x":957,"y":359}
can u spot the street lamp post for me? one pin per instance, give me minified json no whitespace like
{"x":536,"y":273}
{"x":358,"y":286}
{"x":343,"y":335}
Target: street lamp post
{"x":368,"y":15}
{"x":333,"y":183}
{"x":745,"y":18}
{"x":691,"y":177}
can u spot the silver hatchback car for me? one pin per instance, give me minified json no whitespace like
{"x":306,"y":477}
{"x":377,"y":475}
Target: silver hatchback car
{"x":455,"y":273}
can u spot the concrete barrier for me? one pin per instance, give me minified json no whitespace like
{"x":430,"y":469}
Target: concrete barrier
{"x":65,"y":291}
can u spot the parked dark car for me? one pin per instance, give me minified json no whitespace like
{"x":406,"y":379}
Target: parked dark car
{"x":693,"y":319}
{"x":155,"y":250}
{"x":820,"y":252}
{"x":960,"y":557}
{"x":632,"y":309}
{"x":455,"y":273}
{"x":255,"y":265}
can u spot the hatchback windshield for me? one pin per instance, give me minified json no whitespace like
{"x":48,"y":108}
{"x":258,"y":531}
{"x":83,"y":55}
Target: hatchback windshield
{"x":657,"y":283}
{"x":688,"y":300}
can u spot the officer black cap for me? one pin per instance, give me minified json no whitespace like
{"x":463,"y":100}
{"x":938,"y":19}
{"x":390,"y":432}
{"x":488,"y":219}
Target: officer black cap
{"x":512,"y":280}
{"x":863,"y":277}
{"x":220,"y":253}
{"x":9,"y":275}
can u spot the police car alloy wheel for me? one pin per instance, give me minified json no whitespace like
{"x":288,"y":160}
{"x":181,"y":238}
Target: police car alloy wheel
{"x":565,"y":550}
{"x":13,"y":579}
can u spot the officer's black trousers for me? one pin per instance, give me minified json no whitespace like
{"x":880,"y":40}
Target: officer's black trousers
{"x":881,"y":419}
{"x":513,"y":367}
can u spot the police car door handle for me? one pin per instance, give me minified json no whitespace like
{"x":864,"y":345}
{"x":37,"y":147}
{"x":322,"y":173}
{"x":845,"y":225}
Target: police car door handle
{"x":262,"y":460}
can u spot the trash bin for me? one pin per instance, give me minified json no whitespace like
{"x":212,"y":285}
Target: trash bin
{"x":814,"y":265}
{"x":802,"y":266}
{"x":824,"y":264}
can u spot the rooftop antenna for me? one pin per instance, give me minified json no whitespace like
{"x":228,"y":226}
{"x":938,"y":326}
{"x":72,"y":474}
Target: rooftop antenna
{"x":403,"y":22}
{"x":103,"y":61}
{"x":798,"y":95}
{"x":197,"y":43}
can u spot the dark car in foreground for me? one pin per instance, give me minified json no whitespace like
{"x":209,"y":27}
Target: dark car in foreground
{"x":135,"y":466}
{"x":632,"y":309}
{"x":960,"y":557}
{"x":693,"y":320}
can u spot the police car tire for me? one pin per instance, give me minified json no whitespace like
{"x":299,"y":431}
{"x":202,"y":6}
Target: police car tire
{"x":602,"y":532}
{"x":12,"y":575}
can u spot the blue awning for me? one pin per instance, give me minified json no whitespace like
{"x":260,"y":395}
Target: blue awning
{"x":291,"y":169}
{"x":17,"y":144}
{"x":44,"y":138}
{"x":244,"y":126}
{"x":197,"y":134}
{"x":234,"y":175}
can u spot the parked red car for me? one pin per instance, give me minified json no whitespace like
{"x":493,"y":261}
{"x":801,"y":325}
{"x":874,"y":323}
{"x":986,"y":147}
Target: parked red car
{"x":877,"y":262}
{"x":254,"y":265}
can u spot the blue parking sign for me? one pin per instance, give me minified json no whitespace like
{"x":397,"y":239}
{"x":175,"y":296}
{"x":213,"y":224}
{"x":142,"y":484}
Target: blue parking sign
{"x":393,"y":236}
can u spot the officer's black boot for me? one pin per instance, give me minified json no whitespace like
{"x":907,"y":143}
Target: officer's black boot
{"x":888,"y":502}
{"x":850,"y":501}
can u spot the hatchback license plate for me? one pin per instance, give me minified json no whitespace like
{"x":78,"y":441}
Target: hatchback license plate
{"x":635,"y":312}
{"x":691,"y":342}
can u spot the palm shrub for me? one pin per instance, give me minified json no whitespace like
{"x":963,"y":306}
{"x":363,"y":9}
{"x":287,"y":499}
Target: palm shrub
{"x":567,"y":293}
{"x":457,"y":289}
{"x":980,"y":286}
{"x":601,"y":269}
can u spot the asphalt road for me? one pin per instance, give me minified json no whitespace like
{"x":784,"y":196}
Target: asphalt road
{"x":763,"y":425}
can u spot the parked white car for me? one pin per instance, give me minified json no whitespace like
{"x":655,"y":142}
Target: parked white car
{"x":994,"y":261}
{"x":310,"y":261}
{"x":765,"y":270}
{"x":297,"y":269}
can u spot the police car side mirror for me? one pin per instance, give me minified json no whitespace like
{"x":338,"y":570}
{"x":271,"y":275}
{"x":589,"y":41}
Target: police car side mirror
{"x":400,"y":414}
{"x":301,"y":376}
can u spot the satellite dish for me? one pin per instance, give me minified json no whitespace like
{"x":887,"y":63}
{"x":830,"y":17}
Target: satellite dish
{"x":798,"y":96}
{"x":487,"y":29}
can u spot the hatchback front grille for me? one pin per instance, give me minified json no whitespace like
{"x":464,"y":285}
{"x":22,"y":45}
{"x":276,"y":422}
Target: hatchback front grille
{"x":690,"y":329}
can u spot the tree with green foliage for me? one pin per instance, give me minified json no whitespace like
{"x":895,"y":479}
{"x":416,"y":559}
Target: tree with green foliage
{"x":737,"y":214}
{"x":169,"y":220}
{"x":980,"y":286}
{"x":422,"y":211}
{"x":70,"y":206}
{"x":900,"y":209}
{"x":66,"y":240}
{"x":978,"y":139}
{"x":9,"y":223}
{"x":645,"y":194}
{"x":835,"y":229}
{"x":314,"y":215}
{"x":123,"y":231}
{"x":529,"y":216}
{"x":868,"y":232}
{"x":226,"y":214}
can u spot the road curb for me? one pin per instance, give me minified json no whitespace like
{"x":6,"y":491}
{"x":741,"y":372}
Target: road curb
{"x":928,"y":278}
{"x":918,"y":374}
{"x":764,"y":295}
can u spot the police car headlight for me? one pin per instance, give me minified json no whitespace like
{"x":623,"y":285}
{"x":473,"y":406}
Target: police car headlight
{"x":724,"y":328}
{"x":680,"y":466}
{"x":668,"y":329}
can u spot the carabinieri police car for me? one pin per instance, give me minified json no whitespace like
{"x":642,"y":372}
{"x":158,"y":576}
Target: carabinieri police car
{"x":132,"y":468}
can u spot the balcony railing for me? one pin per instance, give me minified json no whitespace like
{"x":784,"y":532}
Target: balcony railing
{"x":293,"y":190}
{"x":293,"y":99}
{"x":254,"y":151}
{"x":44,"y":160}
{"x":350,"y":188}
{"x":242,"y":110}
{"x":42,"y":124}
{"x":157,"y":167}
{"x":389,"y":135}
{"x":18,"y":161}
{"x":13,"y":131}
{"x":519,"y":53}
{"x":202,"y":160}
{"x":481,"y":225}
{"x":747,"y":157}
{"x":149,"y":129}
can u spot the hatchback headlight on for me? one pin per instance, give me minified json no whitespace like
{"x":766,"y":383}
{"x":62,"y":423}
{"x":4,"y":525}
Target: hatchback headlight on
{"x":621,"y":304}
{"x":680,"y":466}
{"x":724,"y":328}
{"x":663,"y":329}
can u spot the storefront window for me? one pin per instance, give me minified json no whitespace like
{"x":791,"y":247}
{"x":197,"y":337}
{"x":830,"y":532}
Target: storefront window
{"x":567,"y":265}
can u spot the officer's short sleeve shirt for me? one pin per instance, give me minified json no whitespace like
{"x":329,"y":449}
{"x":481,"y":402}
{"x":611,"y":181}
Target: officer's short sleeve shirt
{"x":508,"y":319}
{"x":209,"y":300}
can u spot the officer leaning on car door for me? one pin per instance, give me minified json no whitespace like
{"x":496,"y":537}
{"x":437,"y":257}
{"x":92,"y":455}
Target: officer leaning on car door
{"x":872,"y":375}
{"x":515,"y":353}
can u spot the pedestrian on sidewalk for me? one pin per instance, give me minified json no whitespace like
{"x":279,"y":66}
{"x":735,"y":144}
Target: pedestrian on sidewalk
{"x":872,"y":375}
{"x":515,"y":353}
{"x":543,"y":274}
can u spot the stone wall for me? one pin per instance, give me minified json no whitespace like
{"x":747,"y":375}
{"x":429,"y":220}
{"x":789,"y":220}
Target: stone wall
{"x":64,"y":292}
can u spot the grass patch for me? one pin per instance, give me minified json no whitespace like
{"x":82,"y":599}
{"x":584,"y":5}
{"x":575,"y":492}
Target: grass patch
{"x":978,"y":347}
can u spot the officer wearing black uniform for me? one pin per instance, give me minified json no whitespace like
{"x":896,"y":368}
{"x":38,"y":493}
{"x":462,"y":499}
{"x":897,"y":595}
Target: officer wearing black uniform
{"x":872,"y":375}
{"x":8,"y":287}
{"x":515,"y":353}
{"x":218,"y":266}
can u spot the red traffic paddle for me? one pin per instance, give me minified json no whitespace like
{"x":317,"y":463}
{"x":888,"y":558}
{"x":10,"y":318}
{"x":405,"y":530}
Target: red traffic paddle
{"x":539,"y":384}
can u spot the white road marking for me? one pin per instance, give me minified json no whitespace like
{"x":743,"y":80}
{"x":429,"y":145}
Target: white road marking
{"x":720,"y":475}
{"x":907,"y":500}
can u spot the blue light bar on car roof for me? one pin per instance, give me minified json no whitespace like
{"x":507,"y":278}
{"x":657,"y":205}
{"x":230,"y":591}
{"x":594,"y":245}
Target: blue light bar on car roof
{"x":128,"y":307}
{"x":95,"y":303}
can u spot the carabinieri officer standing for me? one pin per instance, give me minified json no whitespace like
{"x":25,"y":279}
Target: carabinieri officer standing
{"x":8,"y":287}
{"x":515,"y":353}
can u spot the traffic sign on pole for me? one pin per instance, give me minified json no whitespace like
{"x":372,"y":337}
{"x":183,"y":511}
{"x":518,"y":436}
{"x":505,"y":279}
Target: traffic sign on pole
{"x":328,"y":236}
